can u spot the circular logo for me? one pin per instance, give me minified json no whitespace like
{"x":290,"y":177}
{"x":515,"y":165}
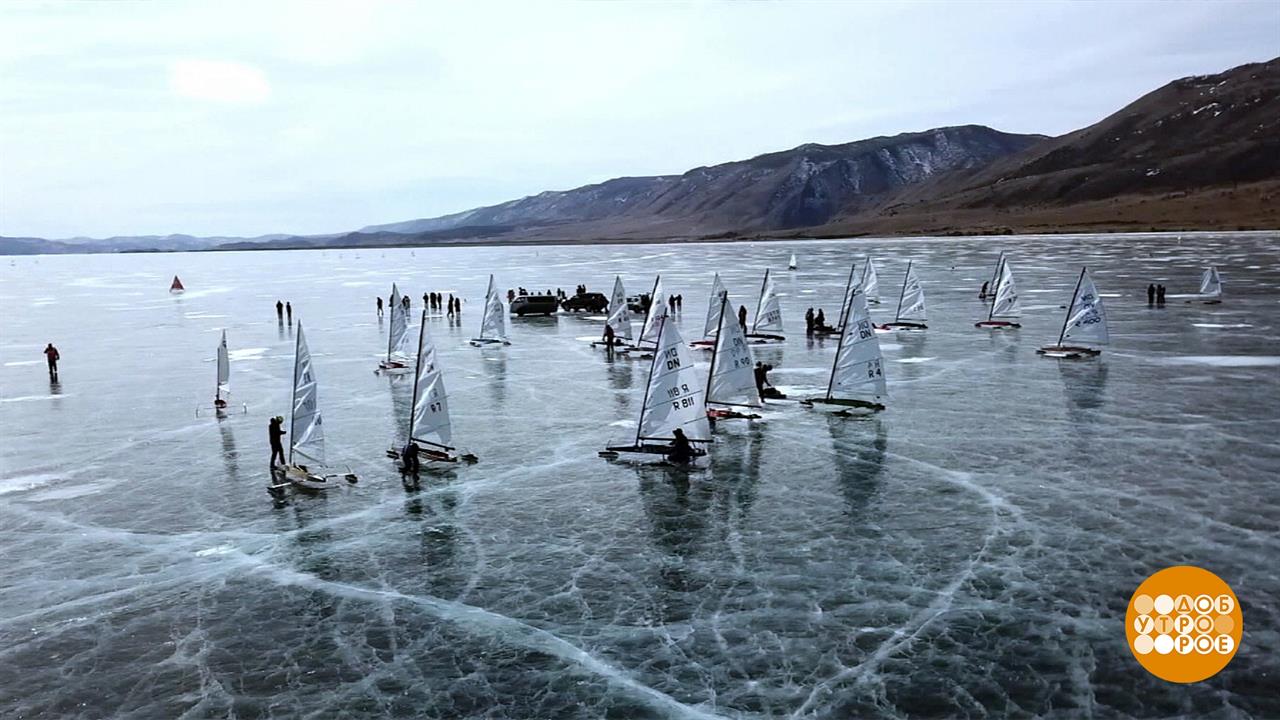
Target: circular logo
{"x":1184,"y":624}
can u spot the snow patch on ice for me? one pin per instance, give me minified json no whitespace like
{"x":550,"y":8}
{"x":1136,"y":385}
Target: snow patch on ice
{"x":1224,"y":360}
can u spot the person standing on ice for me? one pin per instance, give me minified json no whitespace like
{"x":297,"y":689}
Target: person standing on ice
{"x":288,"y":310}
{"x":279,"y":310}
{"x":274,"y":433}
{"x":379,"y":306}
{"x":51,"y":355}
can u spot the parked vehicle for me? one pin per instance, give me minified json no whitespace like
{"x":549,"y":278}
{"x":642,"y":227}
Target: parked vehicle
{"x":590,"y":302}
{"x":535,"y":305}
{"x":638,"y":303}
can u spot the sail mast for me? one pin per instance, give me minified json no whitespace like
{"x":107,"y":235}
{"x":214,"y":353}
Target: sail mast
{"x":648,"y":313}
{"x":644,"y":404}
{"x":844,"y":331}
{"x":996,"y":277}
{"x":715,"y":349}
{"x":991,"y":312}
{"x":844,"y":304}
{"x":293,"y":398}
{"x":417,"y":374}
{"x":395,"y":297}
{"x":760,"y":303}
{"x":898,"y":315}
{"x":1070,"y":305}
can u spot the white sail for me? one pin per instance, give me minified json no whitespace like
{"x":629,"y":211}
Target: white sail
{"x":658,"y":309}
{"x":858,"y":372}
{"x":768,"y":310}
{"x":732,"y":380}
{"x":493,"y":326}
{"x":1086,"y":319}
{"x":911,"y":304}
{"x":870,"y":284}
{"x":306,"y":429}
{"x":224,"y":368}
{"x":1211,"y":284}
{"x":430,"y":420}
{"x":675,"y":397}
{"x":1006,"y":302}
{"x":791,"y":265}
{"x":398,"y":336}
{"x":619,"y":314}
{"x":714,"y":308}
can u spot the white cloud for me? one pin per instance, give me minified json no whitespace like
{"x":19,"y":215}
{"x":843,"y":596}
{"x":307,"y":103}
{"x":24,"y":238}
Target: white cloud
{"x":219,"y":81}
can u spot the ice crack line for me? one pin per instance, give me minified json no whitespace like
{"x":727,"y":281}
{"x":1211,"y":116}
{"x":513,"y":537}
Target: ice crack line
{"x":500,"y":627}
{"x":924,"y":618}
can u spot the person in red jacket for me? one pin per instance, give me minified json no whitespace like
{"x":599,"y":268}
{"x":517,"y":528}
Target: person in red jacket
{"x":52,"y":356}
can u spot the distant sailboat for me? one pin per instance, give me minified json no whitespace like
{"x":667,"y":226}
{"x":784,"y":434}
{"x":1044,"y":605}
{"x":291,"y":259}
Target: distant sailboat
{"x":1004,"y":306}
{"x":658,"y":309}
{"x":791,"y":265}
{"x":911,"y":311}
{"x":731,"y":381}
{"x":429,"y":425}
{"x":493,"y":325}
{"x":870,"y":283}
{"x":175,"y":287}
{"x":1211,"y":286}
{"x":1086,"y":322}
{"x":619,"y":315}
{"x":715,"y":307}
{"x":397,"y":335}
{"x":673,"y":399}
{"x":857,"y":373}
{"x":223,"y":386}
{"x":306,"y":428}
{"x":767,"y":325}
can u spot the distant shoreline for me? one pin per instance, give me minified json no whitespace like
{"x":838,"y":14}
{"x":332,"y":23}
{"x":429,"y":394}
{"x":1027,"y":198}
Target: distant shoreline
{"x":701,"y":240}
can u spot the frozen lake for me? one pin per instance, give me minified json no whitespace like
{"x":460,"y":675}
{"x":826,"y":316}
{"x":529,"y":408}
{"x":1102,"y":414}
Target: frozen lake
{"x":969,"y":552}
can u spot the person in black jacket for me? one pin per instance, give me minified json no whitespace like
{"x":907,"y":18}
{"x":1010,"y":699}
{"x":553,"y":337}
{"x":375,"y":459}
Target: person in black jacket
{"x":275,"y":432}
{"x":681,"y":451}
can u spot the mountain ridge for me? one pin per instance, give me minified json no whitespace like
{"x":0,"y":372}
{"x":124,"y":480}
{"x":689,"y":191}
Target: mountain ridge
{"x":1200,"y":152}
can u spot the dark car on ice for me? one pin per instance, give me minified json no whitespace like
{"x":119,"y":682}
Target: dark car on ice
{"x":590,"y":302}
{"x":534,"y":305}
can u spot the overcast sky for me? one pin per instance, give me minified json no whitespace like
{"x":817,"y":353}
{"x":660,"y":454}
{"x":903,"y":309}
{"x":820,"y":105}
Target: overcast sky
{"x":225,"y":118}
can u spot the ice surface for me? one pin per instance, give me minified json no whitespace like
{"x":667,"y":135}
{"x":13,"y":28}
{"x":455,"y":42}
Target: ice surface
{"x":969,"y":552}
